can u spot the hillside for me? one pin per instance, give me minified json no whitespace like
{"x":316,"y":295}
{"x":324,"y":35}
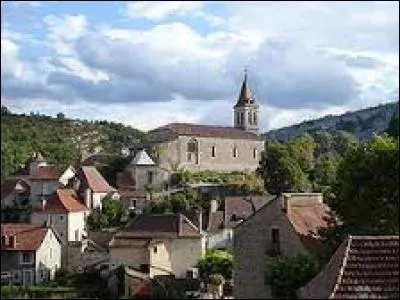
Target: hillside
{"x":60,"y":140}
{"x":362,"y":123}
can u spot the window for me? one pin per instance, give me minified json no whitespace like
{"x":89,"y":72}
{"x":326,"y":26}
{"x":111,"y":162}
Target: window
{"x":155,"y":249}
{"x":17,"y":277}
{"x":275,"y":242}
{"x":250,"y":117}
{"x":61,"y":218}
{"x":241,"y":118}
{"x":51,"y":253}
{"x":150,"y":176}
{"x":255,"y":153}
{"x":27,"y":258}
{"x":4,"y":240}
{"x":238,"y":118}
{"x":213,"y":151}
{"x":255,"y":118}
{"x":235,"y":152}
{"x":192,"y":151}
{"x":133,"y":203}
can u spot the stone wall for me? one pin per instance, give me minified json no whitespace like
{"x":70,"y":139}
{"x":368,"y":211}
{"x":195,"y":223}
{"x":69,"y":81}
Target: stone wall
{"x":252,"y":242}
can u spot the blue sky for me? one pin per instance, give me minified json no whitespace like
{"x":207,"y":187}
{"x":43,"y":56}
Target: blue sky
{"x":150,"y":63}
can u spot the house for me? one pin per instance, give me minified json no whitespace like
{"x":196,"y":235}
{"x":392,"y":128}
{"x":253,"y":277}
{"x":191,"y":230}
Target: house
{"x":15,"y":194}
{"x":65,"y":212}
{"x":363,"y":267}
{"x":222,"y":221}
{"x":157,"y":245}
{"x":92,"y":187}
{"x":196,"y":147}
{"x":284,"y":226}
{"x":30,"y":253}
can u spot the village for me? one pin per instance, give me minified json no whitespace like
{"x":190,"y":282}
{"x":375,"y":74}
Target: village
{"x":66,"y":223}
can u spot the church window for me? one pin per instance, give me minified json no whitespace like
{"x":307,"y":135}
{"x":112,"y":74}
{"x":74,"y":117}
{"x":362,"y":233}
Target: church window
{"x":213,"y":151}
{"x":255,"y":118}
{"x":250,"y":118}
{"x":241,"y":118}
{"x":255,"y":153}
{"x":238,"y":118}
{"x":235,"y":152}
{"x":192,"y":151}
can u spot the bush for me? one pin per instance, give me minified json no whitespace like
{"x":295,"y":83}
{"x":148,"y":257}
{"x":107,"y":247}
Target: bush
{"x":286,"y":275}
{"x":216,"y":279}
{"x":216,"y":262}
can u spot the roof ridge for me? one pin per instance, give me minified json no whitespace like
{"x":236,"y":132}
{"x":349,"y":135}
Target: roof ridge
{"x":342,"y":267}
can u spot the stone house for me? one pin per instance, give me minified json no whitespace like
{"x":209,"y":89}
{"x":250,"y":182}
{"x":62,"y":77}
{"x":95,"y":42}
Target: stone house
{"x":30,"y":253}
{"x":158,"y":245}
{"x":233,"y":211}
{"x":363,"y":267}
{"x":92,"y":187}
{"x":283,"y":227}
{"x":15,"y":194}
{"x":195,"y":147}
{"x":65,"y":212}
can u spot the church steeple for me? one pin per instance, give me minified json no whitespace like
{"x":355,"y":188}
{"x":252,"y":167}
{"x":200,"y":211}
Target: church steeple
{"x":246,"y":108}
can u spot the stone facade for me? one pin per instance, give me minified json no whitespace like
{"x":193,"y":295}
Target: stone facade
{"x":214,"y":154}
{"x":251,"y":241}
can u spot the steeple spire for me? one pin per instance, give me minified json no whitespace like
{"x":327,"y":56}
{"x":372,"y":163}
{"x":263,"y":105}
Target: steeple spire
{"x":245,"y":97}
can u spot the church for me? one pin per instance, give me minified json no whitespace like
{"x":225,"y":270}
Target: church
{"x":195,"y":147}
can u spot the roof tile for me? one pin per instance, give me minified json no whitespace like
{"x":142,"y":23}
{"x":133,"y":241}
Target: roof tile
{"x":29,"y":237}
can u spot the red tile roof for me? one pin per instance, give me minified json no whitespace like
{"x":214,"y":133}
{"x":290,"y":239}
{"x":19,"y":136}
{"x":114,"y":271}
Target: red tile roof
{"x":48,"y":173}
{"x":63,"y":201}
{"x":362,"y":267}
{"x":29,"y":237}
{"x":172,"y":130}
{"x":95,"y":180}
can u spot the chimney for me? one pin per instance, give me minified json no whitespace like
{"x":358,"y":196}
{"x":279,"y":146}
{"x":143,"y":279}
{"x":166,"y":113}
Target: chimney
{"x":13,"y":241}
{"x":200,"y":219}
{"x":44,"y":202}
{"x":213,"y":205}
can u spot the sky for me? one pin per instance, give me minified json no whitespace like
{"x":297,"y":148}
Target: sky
{"x":150,"y":63}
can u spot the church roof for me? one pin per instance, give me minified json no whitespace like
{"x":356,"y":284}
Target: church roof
{"x":246,"y":97}
{"x":142,"y":159}
{"x":173,"y":130}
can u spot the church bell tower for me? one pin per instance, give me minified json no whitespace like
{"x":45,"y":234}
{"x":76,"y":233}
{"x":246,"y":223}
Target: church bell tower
{"x":246,"y":109}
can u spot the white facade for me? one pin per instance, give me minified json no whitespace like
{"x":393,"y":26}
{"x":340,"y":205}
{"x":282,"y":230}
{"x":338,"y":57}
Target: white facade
{"x":48,"y":258}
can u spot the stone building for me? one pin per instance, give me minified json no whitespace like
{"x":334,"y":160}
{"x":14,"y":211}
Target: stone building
{"x":195,"y":147}
{"x":283,"y":227}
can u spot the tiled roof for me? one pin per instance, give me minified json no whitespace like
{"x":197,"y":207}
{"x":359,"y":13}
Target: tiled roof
{"x":95,"y":180}
{"x":9,"y":185}
{"x":29,"y":237}
{"x":364,"y":267}
{"x":242,"y":207}
{"x":63,"y":201}
{"x":155,"y":225}
{"x":48,"y":173}
{"x":175,"y":129}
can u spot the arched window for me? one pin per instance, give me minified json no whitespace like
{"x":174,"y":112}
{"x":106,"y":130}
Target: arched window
{"x":192,"y":151}
{"x":250,"y":117}
{"x":241,"y":118}
{"x":255,"y":118}
{"x":235,"y":152}
{"x":238,"y":118}
{"x":255,"y":153}
{"x":213,"y":151}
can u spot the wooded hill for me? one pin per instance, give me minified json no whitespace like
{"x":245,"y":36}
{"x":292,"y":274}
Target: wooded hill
{"x":59,"y":139}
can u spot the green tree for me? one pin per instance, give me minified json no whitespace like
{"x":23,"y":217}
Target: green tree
{"x":302,"y":150}
{"x":114,"y":210}
{"x":367,"y":190}
{"x":280,"y":170}
{"x":286,"y":275}
{"x":216,"y":262}
{"x":97,"y":220}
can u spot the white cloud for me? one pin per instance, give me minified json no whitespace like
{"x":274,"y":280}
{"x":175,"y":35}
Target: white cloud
{"x":159,"y":10}
{"x":64,"y":30}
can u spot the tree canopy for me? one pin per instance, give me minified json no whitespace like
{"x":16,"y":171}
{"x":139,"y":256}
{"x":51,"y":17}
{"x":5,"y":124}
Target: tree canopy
{"x":216,"y":262}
